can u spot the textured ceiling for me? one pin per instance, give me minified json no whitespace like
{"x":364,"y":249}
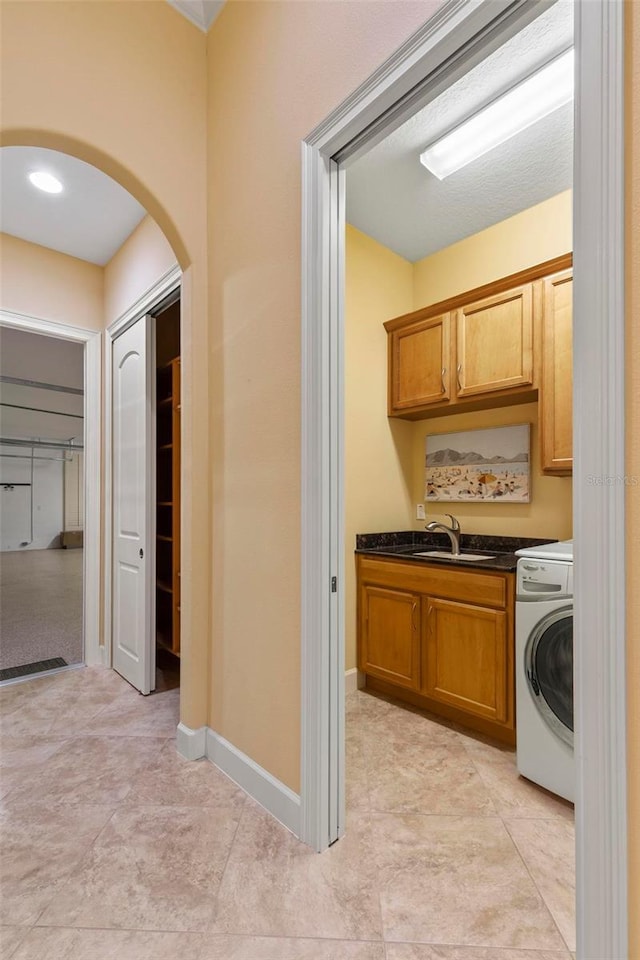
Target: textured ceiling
{"x":394,"y":199}
{"x":90,"y":219}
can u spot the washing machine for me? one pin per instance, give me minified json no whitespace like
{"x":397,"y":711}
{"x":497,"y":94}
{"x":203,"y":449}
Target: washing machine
{"x":544,"y":666}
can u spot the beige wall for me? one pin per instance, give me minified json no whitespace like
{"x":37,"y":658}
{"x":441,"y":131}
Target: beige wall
{"x":49,"y":285}
{"x":275,"y":70}
{"x":548,"y":514}
{"x":537,"y":234}
{"x":540,"y":233}
{"x":123,"y":86}
{"x":633,"y":466}
{"x":141,"y":261}
{"x":378,"y":451}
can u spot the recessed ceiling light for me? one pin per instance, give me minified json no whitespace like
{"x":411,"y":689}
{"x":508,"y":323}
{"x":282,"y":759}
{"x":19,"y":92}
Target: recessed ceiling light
{"x":45,"y":181}
{"x":534,"y":98}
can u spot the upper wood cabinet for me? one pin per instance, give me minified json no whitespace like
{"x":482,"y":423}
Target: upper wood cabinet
{"x":495,"y":343}
{"x":419,"y":370}
{"x":477,"y":350}
{"x":556,"y":390}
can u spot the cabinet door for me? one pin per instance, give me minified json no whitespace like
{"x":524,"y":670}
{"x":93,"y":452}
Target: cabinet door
{"x":419,"y":364}
{"x":389,"y":635}
{"x":556,"y":400}
{"x":495,"y":343}
{"x":465,"y":657}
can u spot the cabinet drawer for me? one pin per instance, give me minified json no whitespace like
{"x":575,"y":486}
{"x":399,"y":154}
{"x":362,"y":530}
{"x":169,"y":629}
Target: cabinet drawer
{"x":488,"y":589}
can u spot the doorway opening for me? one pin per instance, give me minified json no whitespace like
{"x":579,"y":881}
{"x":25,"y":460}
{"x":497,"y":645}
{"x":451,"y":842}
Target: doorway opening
{"x":77,"y":277}
{"x":42,"y":483}
{"x":430,"y":62}
{"x":144,"y":456}
{"x":167,"y":537}
{"x":449,"y":296}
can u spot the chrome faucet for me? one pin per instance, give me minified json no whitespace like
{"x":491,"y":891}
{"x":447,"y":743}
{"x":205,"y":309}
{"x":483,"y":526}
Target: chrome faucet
{"x":453,"y":532}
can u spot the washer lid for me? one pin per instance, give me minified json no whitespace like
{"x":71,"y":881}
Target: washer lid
{"x":560,"y":550}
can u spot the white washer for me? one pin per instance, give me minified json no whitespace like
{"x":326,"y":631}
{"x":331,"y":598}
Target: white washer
{"x":544,"y":666}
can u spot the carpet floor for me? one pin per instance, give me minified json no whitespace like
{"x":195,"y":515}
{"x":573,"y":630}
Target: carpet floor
{"x":40,"y":606}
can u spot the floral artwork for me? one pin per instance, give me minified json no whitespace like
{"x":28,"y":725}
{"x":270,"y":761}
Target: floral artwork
{"x":476,"y":465}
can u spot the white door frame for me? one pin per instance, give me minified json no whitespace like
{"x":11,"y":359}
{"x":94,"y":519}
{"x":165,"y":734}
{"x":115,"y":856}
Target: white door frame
{"x":459,"y":34}
{"x":92,"y":342}
{"x":165,"y":285}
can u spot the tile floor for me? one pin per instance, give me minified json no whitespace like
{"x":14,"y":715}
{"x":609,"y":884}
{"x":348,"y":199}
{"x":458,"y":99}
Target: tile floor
{"x":114,"y":848}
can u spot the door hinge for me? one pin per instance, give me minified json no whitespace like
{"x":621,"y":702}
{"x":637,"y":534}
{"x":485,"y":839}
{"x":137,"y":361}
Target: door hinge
{"x":334,"y":584}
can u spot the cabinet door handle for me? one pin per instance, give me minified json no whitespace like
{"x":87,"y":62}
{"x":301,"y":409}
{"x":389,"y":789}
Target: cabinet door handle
{"x":414,"y":625}
{"x":444,"y":389}
{"x":459,"y":372}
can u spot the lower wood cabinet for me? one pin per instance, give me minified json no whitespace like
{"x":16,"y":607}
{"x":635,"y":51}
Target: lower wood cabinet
{"x":440,"y":638}
{"x":464,"y":657}
{"x":390,"y":638}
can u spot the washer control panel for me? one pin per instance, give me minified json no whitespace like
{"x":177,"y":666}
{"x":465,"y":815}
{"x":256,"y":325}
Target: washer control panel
{"x":543,"y":579}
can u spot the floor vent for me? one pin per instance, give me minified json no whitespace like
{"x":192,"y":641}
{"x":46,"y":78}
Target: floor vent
{"x":12,"y":673}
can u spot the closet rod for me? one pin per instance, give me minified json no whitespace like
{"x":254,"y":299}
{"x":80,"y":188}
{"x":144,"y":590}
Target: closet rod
{"x":42,"y":444}
{"x":55,"y":413}
{"x":39,"y":385}
{"x":24,"y":456}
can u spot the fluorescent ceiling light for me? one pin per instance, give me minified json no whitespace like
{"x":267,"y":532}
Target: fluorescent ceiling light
{"x":45,"y":181}
{"x":519,"y":108}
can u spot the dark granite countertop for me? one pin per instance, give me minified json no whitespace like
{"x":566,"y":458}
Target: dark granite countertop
{"x":405,"y":544}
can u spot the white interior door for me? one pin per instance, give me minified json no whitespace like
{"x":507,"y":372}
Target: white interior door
{"x":133,"y":497}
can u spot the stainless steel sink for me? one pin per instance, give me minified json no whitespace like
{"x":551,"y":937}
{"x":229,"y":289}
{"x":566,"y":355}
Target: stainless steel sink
{"x":443,"y":555}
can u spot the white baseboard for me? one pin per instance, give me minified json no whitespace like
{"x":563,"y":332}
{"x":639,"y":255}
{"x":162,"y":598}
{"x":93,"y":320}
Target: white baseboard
{"x":191,"y":744}
{"x":270,"y":793}
{"x":353,"y":680}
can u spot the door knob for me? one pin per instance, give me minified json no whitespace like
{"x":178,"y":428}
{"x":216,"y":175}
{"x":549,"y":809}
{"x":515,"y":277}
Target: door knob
{"x":141,"y":553}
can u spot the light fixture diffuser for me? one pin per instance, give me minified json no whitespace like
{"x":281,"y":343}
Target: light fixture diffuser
{"x":540,"y":94}
{"x":45,"y":181}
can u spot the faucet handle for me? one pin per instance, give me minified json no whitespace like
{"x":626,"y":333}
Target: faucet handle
{"x":454,"y":523}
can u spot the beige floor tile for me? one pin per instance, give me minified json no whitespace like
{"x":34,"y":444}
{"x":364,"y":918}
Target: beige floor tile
{"x":457,"y":880}
{"x":513,"y":795}
{"x":402,"y":723}
{"x":10,"y":939}
{"x":412,"y":775}
{"x":61,"y":704}
{"x":21,"y":752}
{"x":87,"y":770}
{"x":42,"y":846}
{"x":356,"y":777}
{"x":414,"y":951}
{"x":171,"y":780}
{"x":50,"y":716}
{"x":276,"y":886}
{"x":276,"y":948}
{"x":50,"y":943}
{"x":154,"y":716}
{"x":14,"y":694}
{"x":152,"y":868}
{"x":548,"y":849}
